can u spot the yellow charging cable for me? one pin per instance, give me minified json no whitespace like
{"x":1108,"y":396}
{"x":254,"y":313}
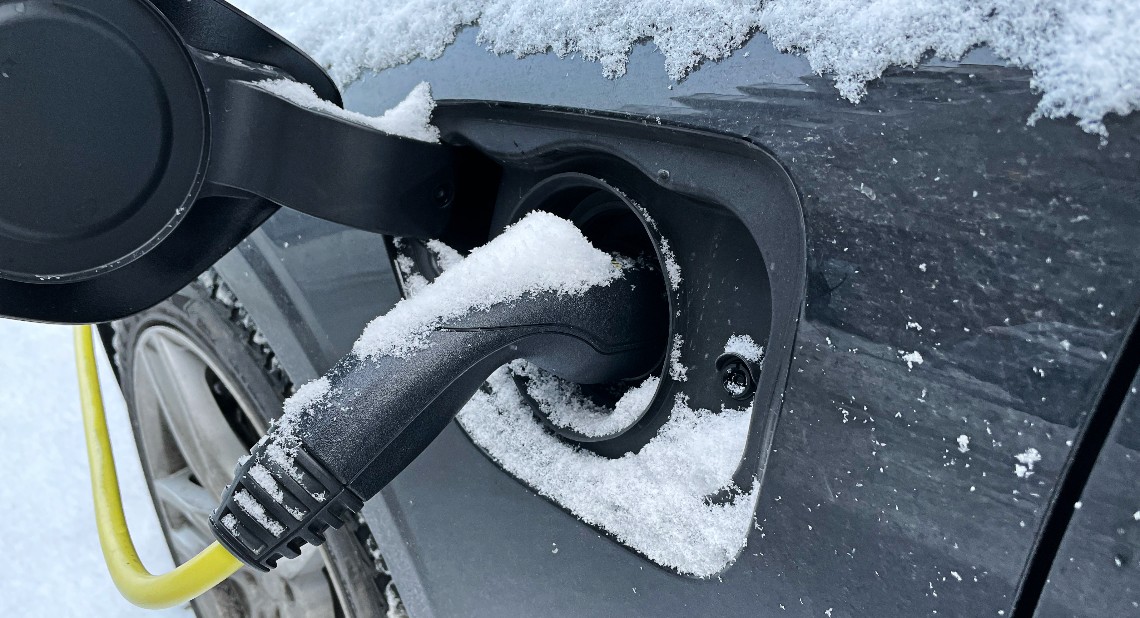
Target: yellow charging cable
{"x":136,"y":584}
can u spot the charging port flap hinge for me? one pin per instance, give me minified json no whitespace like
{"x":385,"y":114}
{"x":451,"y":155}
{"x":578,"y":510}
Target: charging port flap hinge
{"x":320,"y":164}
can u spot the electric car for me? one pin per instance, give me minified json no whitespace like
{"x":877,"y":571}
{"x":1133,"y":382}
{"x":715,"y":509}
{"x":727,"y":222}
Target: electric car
{"x":895,"y":374}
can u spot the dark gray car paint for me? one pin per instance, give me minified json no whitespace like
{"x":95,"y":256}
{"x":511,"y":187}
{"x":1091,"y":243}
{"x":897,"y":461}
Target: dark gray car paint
{"x":1023,"y":292}
{"x":311,"y":286}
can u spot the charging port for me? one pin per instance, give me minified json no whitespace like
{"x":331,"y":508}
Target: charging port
{"x":588,"y":413}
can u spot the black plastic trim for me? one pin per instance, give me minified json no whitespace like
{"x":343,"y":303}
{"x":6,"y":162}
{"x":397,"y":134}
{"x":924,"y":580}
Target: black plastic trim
{"x":695,"y":173}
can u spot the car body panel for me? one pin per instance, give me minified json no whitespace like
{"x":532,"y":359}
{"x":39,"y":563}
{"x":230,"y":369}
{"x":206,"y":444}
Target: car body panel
{"x":311,"y":287}
{"x":938,"y":223}
{"x":1094,"y":573}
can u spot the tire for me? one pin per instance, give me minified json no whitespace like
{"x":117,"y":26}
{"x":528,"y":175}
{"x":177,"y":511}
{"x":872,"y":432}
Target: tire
{"x":201,"y":387}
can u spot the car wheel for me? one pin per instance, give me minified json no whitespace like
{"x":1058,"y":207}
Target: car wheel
{"x":201,"y":387}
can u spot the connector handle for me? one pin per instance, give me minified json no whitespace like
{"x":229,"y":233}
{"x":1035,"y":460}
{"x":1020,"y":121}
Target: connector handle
{"x":379,"y":413}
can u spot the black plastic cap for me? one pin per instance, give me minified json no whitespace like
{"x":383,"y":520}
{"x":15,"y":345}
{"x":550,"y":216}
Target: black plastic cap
{"x":105,"y":136}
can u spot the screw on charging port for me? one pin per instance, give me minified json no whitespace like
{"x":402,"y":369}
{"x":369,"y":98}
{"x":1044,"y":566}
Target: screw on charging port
{"x":737,"y":376}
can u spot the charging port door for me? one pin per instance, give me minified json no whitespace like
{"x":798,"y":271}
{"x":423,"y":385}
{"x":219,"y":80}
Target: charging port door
{"x":142,"y":144}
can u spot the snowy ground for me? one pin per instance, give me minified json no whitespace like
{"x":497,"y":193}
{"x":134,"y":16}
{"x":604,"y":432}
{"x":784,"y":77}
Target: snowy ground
{"x":52,"y":564}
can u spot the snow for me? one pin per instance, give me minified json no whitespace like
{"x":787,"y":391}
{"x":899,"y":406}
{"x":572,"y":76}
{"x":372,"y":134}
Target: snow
{"x":410,"y":118}
{"x":48,"y":511}
{"x":672,"y":269}
{"x":395,"y":603}
{"x":413,"y":282}
{"x":445,"y":256}
{"x":282,"y":436}
{"x":1083,"y":55}
{"x":911,"y":359}
{"x":963,"y":443}
{"x":261,"y":475}
{"x":653,"y":501}
{"x":566,"y":406}
{"x":737,"y":390}
{"x":307,"y":395}
{"x":230,"y":523}
{"x":744,"y":347}
{"x":677,"y":370}
{"x":250,"y":506}
{"x":1030,"y":457}
{"x":540,"y":253}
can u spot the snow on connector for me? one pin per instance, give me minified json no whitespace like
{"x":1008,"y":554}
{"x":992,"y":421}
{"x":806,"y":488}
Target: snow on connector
{"x":410,"y":118}
{"x":1083,"y":55}
{"x":656,"y":500}
{"x":282,"y":438}
{"x":253,"y":508}
{"x":540,"y":253}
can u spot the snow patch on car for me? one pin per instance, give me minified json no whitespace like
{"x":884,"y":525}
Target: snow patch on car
{"x":745,"y":347}
{"x":677,"y":370}
{"x":963,"y":443}
{"x":410,"y":118}
{"x":445,"y":256}
{"x":654,"y":501}
{"x":1027,"y":459}
{"x":1083,"y":55}
{"x":911,"y":358}
{"x":566,"y":406}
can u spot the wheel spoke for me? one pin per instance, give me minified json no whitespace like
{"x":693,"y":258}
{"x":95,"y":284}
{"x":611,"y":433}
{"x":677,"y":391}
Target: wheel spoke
{"x":191,"y":448}
{"x":186,"y":402}
{"x":186,"y":497}
{"x":190,"y":532}
{"x":186,"y":542}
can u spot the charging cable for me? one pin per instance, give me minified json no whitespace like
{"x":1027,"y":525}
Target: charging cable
{"x":201,"y":573}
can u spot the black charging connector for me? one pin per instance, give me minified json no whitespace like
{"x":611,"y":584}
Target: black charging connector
{"x":379,"y":413}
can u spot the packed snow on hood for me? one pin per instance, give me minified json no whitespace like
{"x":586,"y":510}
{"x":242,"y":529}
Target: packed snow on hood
{"x":411,"y":118}
{"x":1083,"y":55}
{"x":654,"y":501}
